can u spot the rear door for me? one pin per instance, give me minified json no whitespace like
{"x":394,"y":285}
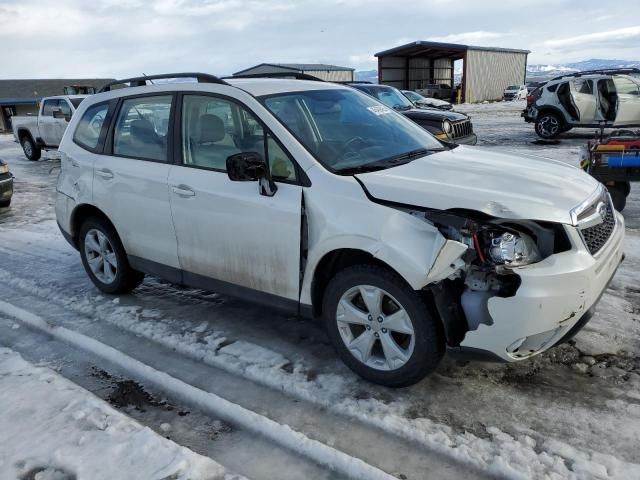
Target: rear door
{"x":229,"y":235}
{"x":582,"y":92}
{"x":130,"y":181}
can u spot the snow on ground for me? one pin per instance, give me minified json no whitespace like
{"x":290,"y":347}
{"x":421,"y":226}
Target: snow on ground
{"x":570,"y":413}
{"x":51,"y":429}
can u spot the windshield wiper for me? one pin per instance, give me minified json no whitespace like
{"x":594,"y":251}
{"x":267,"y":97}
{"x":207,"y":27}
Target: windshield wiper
{"x":388,"y":162}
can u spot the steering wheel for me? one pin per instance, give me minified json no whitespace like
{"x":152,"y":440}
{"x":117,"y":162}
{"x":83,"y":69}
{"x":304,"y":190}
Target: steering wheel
{"x":351,"y":144}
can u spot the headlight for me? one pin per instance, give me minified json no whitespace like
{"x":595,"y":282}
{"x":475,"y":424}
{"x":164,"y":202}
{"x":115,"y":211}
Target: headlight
{"x":4,"y":169}
{"x":513,"y":250}
{"x":446,"y":127}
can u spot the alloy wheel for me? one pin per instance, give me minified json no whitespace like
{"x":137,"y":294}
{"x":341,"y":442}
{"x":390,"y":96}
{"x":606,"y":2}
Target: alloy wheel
{"x":101,"y":256}
{"x":28,"y":149}
{"x":549,"y":126}
{"x":375,"y":328}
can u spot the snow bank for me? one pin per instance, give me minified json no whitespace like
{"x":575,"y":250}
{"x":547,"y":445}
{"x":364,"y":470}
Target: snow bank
{"x":55,"y":429}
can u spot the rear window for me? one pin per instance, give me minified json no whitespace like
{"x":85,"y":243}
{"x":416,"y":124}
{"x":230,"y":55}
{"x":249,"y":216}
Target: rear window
{"x":87,"y":133}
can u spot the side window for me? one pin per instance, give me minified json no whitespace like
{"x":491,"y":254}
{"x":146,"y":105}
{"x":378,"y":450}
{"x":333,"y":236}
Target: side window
{"x":49,"y":106}
{"x":66,"y":109}
{"x":90,"y":125}
{"x":141,"y":128}
{"x":582,"y":86}
{"x":215,"y":128}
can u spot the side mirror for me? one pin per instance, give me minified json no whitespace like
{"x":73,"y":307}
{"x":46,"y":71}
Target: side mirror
{"x":251,"y":167}
{"x":58,"y":113}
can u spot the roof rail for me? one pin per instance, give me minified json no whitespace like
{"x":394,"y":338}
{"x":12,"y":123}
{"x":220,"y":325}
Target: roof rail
{"x":610,"y":71}
{"x":142,"y":81}
{"x":294,"y":75}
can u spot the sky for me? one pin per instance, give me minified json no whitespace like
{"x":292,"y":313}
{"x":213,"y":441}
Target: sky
{"x":121,"y":38}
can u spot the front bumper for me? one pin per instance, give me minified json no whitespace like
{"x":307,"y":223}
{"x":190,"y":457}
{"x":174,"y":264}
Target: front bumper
{"x":553,"y":297}
{"x":468,"y":140}
{"x":6,"y":187}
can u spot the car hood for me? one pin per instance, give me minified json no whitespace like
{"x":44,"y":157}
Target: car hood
{"x":498,"y":184}
{"x":433,"y":114}
{"x":433,"y":101}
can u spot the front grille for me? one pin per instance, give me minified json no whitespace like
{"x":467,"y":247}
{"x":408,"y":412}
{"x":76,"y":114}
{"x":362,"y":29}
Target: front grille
{"x":596,"y":236}
{"x":463,"y":128}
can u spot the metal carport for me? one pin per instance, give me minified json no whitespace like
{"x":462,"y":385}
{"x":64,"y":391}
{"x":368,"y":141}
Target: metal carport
{"x":486,"y":70}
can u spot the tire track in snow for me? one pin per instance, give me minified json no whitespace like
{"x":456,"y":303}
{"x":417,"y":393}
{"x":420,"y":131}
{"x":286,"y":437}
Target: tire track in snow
{"x":209,"y":402}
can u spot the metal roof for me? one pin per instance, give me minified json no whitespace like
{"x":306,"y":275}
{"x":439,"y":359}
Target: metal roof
{"x":301,"y":67}
{"x":38,"y":88}
{"x":454,"y":50}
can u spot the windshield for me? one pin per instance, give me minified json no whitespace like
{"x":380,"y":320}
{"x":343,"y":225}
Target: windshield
{"x":513,"y":87}
{"x":416,"y":97}
{"x":348,"y":131}
{"x":392,"y":98}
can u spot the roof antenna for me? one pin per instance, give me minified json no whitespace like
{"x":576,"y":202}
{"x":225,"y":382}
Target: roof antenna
{"x":145,"y":75}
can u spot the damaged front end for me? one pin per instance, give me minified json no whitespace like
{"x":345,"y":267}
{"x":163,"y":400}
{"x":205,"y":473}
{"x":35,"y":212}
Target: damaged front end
{"x":494,"y":251}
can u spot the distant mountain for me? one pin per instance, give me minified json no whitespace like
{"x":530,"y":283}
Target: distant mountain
{"x":534,"y":71}
{"x":540,"y":71}
{"x":367,"y":76}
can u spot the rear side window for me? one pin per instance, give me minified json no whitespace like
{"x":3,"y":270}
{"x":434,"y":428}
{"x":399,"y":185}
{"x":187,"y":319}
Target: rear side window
{"x":142,"y":126}
{"x":87,"y":133}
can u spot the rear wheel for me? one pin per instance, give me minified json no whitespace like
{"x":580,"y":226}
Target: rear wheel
{"x":548,"y":125}
{"x":380,"y":327}
{"x":30,"y":149}
{"x":104,"y":258}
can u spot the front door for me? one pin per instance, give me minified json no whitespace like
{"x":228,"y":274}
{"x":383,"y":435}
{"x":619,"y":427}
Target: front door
{"x":130,"y":182}
{"x":230,"y":235}
{"x":47,"y":123}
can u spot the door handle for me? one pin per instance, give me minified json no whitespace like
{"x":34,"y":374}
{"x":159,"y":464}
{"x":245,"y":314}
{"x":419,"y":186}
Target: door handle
{"x":105,"y":173}
{"x":183,"y":191}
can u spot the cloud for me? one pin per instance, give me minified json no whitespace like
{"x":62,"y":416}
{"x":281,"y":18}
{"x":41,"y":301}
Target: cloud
{"x":479,"y":37}
{"x":600,"y":38}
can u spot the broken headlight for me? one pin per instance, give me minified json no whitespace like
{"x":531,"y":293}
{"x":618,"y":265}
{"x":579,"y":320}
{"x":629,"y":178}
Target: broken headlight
{"x":513,"y":250}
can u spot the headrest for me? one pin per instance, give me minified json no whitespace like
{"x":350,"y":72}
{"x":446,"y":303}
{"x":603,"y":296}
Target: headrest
{"x":142,"y":128}
{"x":211,"y":128}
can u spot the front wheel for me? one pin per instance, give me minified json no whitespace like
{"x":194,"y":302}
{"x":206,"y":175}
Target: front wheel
{"x":548,"y":125}
{"x":30,"y":149}
{"x":380,"y":327}
{"x":104,"y":258}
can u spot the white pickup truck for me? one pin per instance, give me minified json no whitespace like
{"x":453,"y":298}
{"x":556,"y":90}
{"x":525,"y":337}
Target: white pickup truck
{"x":45,"y":131}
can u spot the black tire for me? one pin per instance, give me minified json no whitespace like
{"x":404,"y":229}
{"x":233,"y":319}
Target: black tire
{"x":5,"y":203}
{"x":429,"y":346}
{"x":618,"y":197}
{"x":30,"y":149}
{"x":126,"y":278}
{"x":549,"y":125}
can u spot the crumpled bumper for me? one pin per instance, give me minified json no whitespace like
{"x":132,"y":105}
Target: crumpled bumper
{"x":552,"y":298}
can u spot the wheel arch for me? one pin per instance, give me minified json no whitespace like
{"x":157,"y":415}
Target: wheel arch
{"x":80,"y":214}
{"x":555,"y":110}
{"x":24,"y":132}
{"x":334,"y":261}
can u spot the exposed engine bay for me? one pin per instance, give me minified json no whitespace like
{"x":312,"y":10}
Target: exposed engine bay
{"x":495,"y":247}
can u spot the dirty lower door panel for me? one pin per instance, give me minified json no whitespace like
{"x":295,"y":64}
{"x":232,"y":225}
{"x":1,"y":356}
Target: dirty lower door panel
{"x":227,"y":231}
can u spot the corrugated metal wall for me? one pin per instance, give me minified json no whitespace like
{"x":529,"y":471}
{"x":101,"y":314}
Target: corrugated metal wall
{"x":392,"y":71}
{"x":487,"y":73}
{"x":332,"y":75}
{"x":419,"y":72}
{"x":442,"y":71}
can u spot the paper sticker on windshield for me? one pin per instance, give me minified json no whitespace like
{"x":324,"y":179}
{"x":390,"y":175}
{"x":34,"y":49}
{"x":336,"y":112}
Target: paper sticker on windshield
{"x":379,"y":109}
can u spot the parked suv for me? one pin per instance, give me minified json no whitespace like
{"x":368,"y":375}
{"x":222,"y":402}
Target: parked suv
{"x":585,"y":99}
{"x":515,"y":92}
{"x":446,"y":125}
{"x":317,"y":199}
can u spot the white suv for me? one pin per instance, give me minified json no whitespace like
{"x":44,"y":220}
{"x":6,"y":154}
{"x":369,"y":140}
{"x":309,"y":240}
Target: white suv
{"x":592,"y":99}
{"x":316,"y":199}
